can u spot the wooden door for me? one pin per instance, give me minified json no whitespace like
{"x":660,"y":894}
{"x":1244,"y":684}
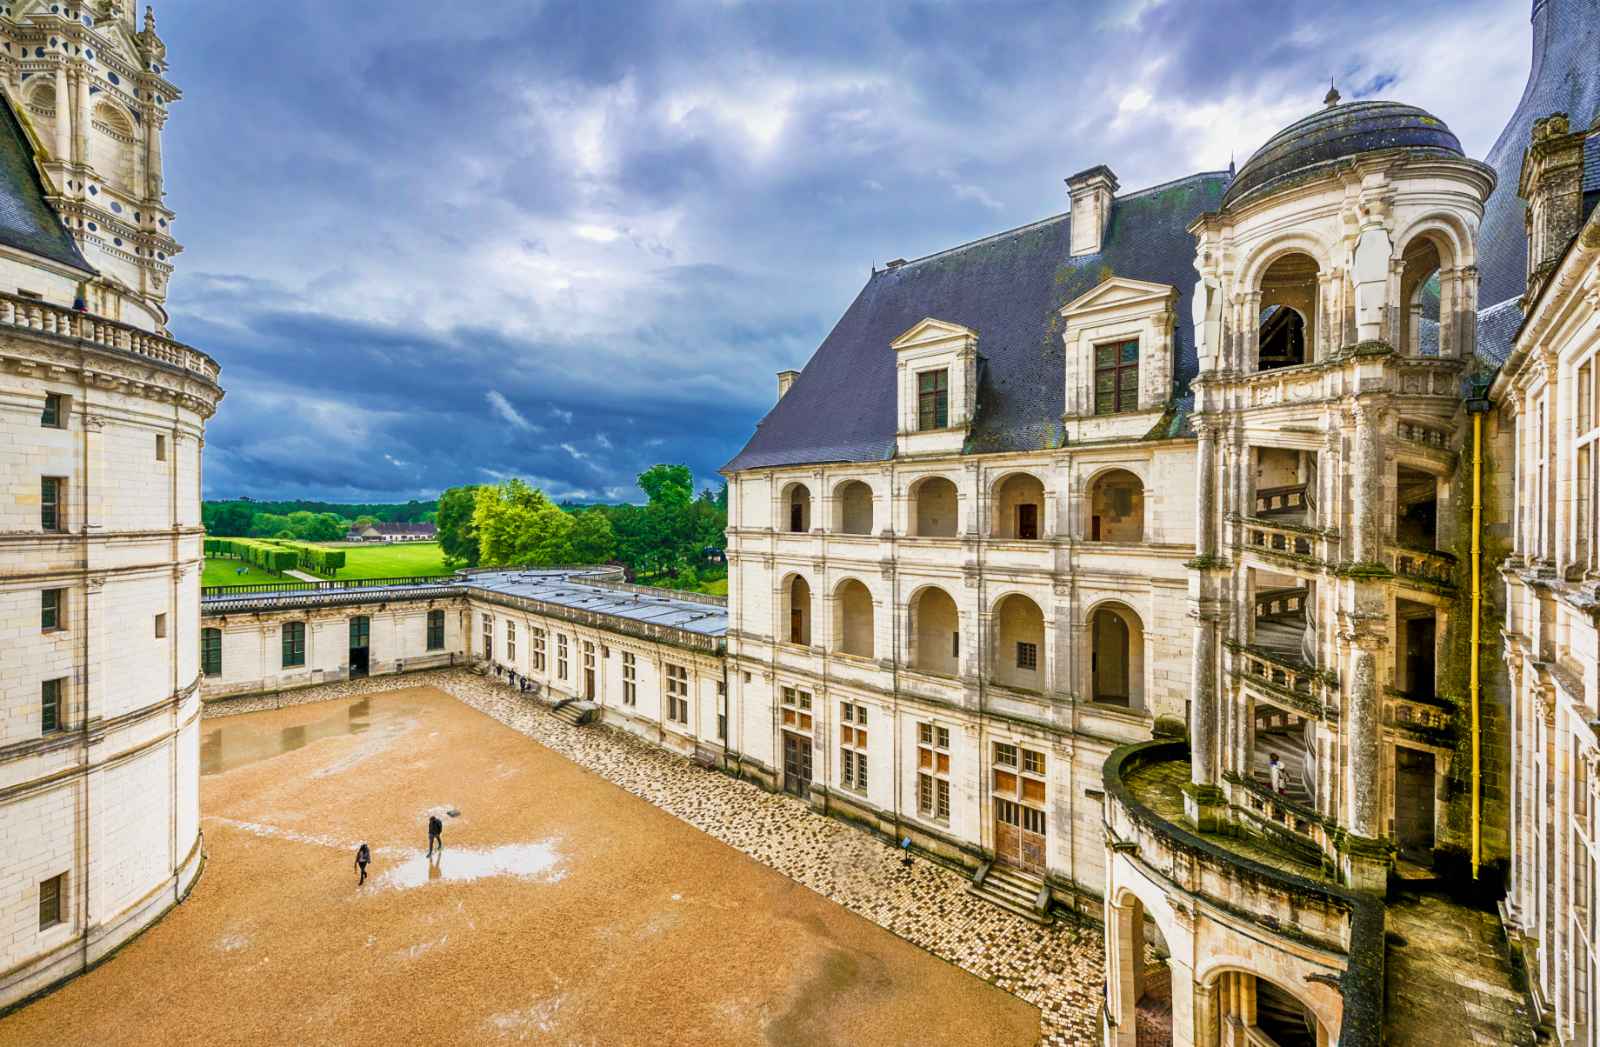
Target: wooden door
{"x":797,"y":764}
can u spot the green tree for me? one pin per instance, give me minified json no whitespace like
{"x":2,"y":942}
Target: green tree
{"x":269,"y":525}
{"x":227,"y":519}
{"x":593,"y":540}
{"x":457,"y":535}
{"x":518,"y":526}
{"x":669,"y":485}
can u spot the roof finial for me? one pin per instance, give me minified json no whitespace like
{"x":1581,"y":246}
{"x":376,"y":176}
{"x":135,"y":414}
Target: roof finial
{"x":1230,"y":164}
{"x":1332,"y":97}
{"x":149,"y":19}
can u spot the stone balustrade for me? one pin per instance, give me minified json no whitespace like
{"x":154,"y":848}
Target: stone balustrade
{"x":1433,"y":566}
{"x":1266,"y":536}
{"x":61,"y":322}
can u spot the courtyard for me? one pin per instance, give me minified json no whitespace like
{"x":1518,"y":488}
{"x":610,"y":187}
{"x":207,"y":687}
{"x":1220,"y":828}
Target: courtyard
{"x":565,"y":909}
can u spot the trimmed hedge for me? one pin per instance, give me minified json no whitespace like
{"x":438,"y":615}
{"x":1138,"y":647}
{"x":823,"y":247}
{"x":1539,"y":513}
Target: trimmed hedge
{"x":265,"y":555}
{"x":314,"y":558}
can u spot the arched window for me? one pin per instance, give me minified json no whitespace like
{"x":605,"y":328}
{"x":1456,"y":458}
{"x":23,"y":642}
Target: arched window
{"x":1429,"y":297}
{"x":1116,"y":508}
{"x":853,"y":619}
{"x":1019,"y":634}
{"x":1250,"y":1002}
{"x":112,"y":146}
{"x":934,"y":508}
{"x":797,"y":612}
{"x":1018,"y":508}
{"x":42,"y":110}
{"x":796,"y":509}
{"x":935,"y":633}
{"x":1287,"y":332}
{"x":1116,"y":656}
{"x":852,"y":508}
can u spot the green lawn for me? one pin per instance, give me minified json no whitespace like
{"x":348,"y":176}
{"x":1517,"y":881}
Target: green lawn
{"x":390,"y":560}
{"x":223,"y":570}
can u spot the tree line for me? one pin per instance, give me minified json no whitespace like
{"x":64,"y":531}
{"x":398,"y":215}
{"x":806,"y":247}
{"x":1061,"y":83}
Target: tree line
{"x":305,"y":521}
{"x":675,"y":538}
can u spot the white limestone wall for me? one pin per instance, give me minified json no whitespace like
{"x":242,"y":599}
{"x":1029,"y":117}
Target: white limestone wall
{"x":110,"y":799}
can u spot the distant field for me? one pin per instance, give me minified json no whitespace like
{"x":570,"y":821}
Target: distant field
{"x":390,"y":560}
{"x":225,"y":571}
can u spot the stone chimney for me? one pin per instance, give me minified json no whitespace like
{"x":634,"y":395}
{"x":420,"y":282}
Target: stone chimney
{"x":1091,"y":192}
{"x":785,"y":380}
{"x":1552,"y":186}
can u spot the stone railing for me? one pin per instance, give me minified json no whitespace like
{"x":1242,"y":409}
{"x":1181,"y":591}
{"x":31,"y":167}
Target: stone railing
{"x":61,"y":322}
{"x":1271,"y":603}
{"x":1287,"y":539}
{"x":1299,"y":686}
{"x":1300,"y":909}
{"x":1434,"y":566}
{"x":1426,"y":435}
{"x":1285,"y":499}
{"x":1428,"y":716}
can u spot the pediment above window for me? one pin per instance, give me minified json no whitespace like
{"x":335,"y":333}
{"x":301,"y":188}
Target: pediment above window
{"x":930,"y":332}
{"x":1121,"y":294}
{"x":937,"y":378}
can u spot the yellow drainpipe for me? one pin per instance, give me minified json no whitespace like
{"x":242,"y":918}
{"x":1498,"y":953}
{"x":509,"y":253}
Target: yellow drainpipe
{"x":1477,"y":604}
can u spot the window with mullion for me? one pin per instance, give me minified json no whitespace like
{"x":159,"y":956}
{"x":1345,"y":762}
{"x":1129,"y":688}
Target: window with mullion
{"x":1116,"y":377}
{"x":211,"y":652}
{"x":294,"y":644}
{"x":933,"y":400}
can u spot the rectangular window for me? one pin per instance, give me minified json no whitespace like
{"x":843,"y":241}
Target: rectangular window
{"x":51,"y":716}
{"x":161,"y":627}
{"x":211,"y":652}
{"x":561,"y":656}
{"x":52,"y":503}
{"x":54,"y":415}
{"x":161,"y":447}
{"x":955,"y":645}
{"x":294,"y":644}
{"x":435,"y":630}
{"x":1027,"y":656}
{"x":52,"y":610}
{"x":511,"y":641}
{"x":488,"y":637}
{"x":796,"y":709}
{"x":630,"y":679}
{"x":1028,"y":521}
{"x":677,"y":694}
{"x":933,"y":771}
{"x":933,"y":400}
{"x":50,"y":892}
{"x":853,"y":746}
{"x":1116,"y":377}
{"x":538,"y":648}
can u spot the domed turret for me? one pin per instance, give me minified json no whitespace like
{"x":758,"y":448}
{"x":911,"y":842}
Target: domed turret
{"x":1337,"y":132}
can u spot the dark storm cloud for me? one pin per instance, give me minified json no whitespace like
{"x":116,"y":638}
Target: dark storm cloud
{"x":567,"y":240}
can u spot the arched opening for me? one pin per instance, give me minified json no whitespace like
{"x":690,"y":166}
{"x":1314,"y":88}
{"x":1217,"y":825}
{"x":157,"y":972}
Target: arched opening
{"x":1140,"y":986}
{"x":1019,"y":630}
{"x":797,"y":508}
{"x":797,"y":612}
{"x":1284,"y":626}
{"x":1420,"y":332}
{"x":1018,"y":513}
{"x":1116,"y":508}
{"x":853,"y":619}
{"x":42,"y":110}
{"x":1287,"y":331}
{"x":852,"y":508}
{"x":934,"y":507}
{"x":111,"y":151}
{"x":935,"y":633}
{"x":1116,"y":656}
{"x":1247,"y":1002}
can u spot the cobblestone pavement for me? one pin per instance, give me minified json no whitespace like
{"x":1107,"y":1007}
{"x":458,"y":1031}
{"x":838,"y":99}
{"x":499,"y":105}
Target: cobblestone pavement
{"x":1057,"y":969}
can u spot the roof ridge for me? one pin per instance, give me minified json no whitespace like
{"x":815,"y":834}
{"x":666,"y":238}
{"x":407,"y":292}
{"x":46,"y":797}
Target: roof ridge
{"x":1027,"y":226}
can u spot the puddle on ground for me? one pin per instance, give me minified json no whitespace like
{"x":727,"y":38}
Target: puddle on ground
{"x":528,"y":861}
{"x":236,"y":740}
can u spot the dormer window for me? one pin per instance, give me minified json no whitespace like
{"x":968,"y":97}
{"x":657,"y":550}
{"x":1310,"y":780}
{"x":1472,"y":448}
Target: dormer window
{"x":937,"y":387}
{"x":1116,"y":377}
{"x":933,"y":400}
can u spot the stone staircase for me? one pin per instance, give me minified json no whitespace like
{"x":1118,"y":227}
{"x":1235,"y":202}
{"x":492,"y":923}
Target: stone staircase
{"x":1013,"y":890}
{"x":576,"y":711}
{"x":1291,"y":753}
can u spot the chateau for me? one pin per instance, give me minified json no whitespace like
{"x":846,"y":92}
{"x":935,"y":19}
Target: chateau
{"x":1217,"y":561}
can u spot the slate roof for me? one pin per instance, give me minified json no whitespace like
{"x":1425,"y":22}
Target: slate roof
{"x":1337,"y":132}
{"x":1497,"y":330}
{"x":1564,"y":78}
{"x":27,"y":221}
{"x":567,"y":588}
{"x":1007,"y":287}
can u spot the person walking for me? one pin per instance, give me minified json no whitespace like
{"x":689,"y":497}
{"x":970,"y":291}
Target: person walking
{"x":435,"y":834}
{"x":1275,"y":772}
{"x":363,"y":856}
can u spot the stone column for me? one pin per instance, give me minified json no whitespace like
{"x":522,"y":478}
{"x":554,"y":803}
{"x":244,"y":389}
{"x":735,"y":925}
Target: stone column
{"x":1205,"y":488}
{"x":155,"y":186}
{"x":1365,"y":866}
{"x":1206,"y":1028}
{"x":1368,"y":483}
{"x":63,"y":130}
{"x":80,"y":128}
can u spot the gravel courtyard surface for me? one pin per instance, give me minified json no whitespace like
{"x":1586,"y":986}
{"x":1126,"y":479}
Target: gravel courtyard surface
{"x":563,"y":910}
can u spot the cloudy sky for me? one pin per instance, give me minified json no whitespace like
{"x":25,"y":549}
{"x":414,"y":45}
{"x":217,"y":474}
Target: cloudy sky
{"x":435,"y":243}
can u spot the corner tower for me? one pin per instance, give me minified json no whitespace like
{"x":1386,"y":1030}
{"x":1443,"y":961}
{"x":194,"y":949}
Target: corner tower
{"x":102,"y":422}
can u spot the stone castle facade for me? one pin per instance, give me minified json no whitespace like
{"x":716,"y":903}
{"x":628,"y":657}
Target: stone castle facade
{"x":102,"y":418}
{"x":1208,"y":560}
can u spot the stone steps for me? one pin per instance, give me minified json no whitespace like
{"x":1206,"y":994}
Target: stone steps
{"x":1012,"y":890}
